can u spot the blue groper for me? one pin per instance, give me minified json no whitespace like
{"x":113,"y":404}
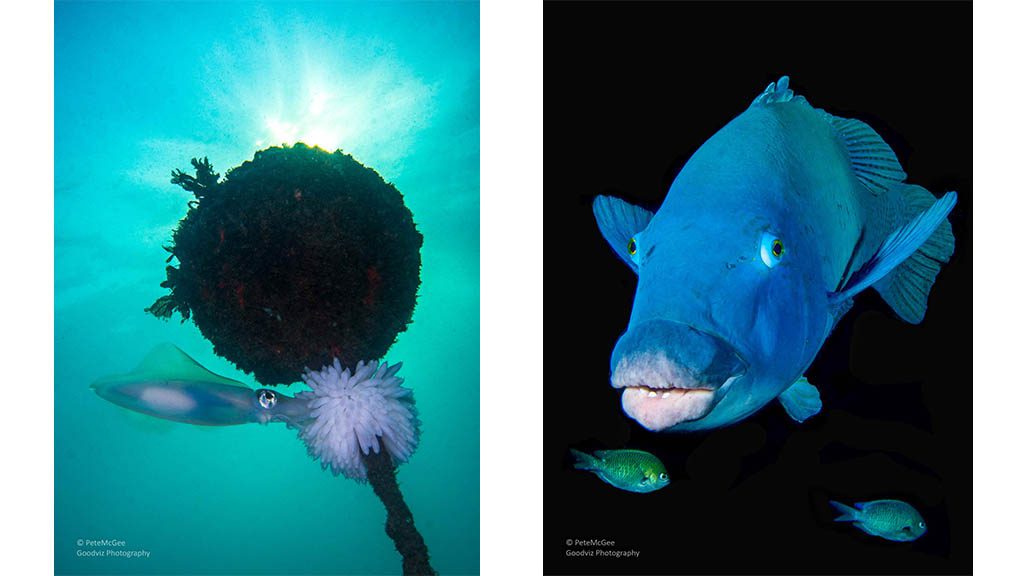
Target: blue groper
{"x":767,"y":233}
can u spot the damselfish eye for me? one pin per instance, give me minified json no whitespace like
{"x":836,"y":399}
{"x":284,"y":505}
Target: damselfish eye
{"x":772,"y":249}
{"x":663,"y":476}
{"x":267,"y":399}
{"x":631,"y":247}
{"x":920,"y":525}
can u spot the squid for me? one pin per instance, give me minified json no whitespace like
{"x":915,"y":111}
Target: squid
{"x":344,"y":416}
{"x":170,"y":384}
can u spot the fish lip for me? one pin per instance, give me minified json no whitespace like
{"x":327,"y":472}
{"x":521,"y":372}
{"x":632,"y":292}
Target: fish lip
{"x":684,"y":380}
{"x":660,"y":403}
{"x":672,"y":372}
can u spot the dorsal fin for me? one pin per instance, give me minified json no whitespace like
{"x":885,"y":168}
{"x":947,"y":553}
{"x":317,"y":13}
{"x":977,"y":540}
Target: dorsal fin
{"x":777,"y":92}
{"x":872,"y":160}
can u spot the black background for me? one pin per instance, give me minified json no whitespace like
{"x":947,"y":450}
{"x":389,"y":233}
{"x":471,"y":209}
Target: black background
{"x":630,"y":92}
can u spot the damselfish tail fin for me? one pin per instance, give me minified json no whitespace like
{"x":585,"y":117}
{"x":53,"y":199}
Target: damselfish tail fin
{"x":847,"y":514}
{"x":584,"y":461}
{"x":906,"y":288}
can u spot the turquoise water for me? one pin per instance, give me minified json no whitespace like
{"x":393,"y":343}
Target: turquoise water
{"x":140,"y":89}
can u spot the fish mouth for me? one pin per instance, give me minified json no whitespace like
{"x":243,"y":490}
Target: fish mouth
{"x":680,"y":379}
{"x":660,"y":407}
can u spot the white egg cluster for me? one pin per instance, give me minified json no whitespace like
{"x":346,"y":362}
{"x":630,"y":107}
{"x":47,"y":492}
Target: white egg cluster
{"x":354,"y":412}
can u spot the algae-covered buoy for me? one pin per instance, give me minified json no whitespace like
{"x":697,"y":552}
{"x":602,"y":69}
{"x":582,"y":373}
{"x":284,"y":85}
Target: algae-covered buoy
{"x":295,"y":258}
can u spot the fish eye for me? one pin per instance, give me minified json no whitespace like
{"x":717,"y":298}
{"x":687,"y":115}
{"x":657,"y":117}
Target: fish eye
{"x":772,"y":249}
{"x":267,"y":399}
{"x":920,"y":525}
{"x":631,"y":247}
{"x":663,"y":476}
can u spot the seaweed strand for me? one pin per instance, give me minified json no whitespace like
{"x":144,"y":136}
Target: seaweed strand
{"x":204,"y":180}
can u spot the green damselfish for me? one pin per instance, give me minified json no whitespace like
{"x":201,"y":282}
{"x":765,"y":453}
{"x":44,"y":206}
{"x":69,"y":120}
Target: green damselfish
{"x":631,"y":470}
{"x":890,"y":519}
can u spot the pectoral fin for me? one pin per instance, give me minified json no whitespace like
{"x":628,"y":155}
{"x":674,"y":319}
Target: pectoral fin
{"x":899,"y":246}
{"x":801,"y":400}
{"x":906,"y":288}
{"x":619,"y":221}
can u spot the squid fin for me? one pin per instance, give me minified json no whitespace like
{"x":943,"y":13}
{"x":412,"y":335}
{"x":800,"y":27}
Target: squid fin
{"x":168,"y":362}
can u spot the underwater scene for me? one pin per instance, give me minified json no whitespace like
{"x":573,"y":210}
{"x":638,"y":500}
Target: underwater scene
{"x":267,"y":288}
{"x":759,"y":296}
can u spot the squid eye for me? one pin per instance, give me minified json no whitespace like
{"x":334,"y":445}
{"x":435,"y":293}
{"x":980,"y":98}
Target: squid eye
{"x":267,"y":399}
{"x":772,"y":249}
{"x":631,"y":247}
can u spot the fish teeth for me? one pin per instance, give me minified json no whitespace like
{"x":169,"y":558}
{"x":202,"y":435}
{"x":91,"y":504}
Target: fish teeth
{"x":665,"y":395}
{"x":652,"y":394}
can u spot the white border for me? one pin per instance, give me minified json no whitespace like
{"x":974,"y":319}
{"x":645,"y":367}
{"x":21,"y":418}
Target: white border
{"x":512,"y":253}
{"x":26,"y":288}
{"x":998,"y":387}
